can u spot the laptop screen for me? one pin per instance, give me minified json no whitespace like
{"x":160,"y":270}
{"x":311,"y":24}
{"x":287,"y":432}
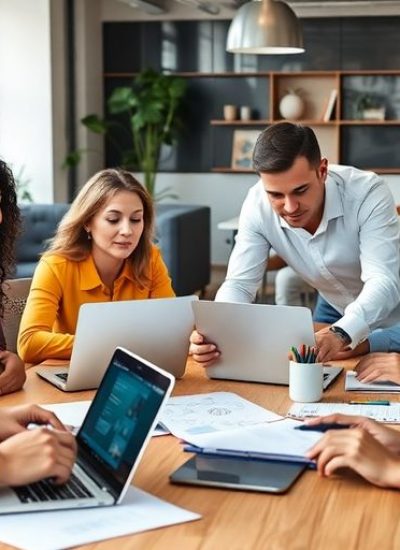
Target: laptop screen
{"x":121,"y":416}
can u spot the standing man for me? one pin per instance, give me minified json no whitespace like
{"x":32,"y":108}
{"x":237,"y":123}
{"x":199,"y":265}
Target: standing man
{"x":337,"y":228}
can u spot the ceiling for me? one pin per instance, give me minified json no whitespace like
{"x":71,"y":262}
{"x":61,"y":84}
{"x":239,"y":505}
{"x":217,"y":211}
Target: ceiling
{"x":303,"y":8}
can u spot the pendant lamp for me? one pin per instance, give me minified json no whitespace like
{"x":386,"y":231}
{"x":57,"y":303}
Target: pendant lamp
{"x":265,"y":27}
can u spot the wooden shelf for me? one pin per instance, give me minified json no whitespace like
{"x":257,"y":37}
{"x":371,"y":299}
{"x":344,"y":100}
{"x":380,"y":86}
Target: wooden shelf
{"x":221,"y":122}
{"x":370,"y":122}
{"x":226,"y":170}
{"x":317,"y":89}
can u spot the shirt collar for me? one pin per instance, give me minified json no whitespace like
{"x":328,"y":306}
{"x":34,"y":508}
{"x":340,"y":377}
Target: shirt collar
{"x":90,"y":278}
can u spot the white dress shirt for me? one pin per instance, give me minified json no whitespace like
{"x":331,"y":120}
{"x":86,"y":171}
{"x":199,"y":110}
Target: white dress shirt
{"x":353,"y":258}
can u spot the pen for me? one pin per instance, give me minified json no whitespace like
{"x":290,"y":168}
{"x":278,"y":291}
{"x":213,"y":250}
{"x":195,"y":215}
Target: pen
{"x":322,"y":427}
{"x":380,"y":402}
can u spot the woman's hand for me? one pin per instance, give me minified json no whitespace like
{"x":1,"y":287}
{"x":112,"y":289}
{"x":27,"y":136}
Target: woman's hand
{"x":203,"y":352}
{"x":378,"y":367}
{"x":388,"y":437}
{"x":13,"y":376}
{"x":359,"y":450}
{"x":37,"y":454}
{"x":14,"y":420}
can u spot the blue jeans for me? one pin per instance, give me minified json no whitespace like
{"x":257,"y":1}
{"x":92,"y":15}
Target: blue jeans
{"x":325,"y":313}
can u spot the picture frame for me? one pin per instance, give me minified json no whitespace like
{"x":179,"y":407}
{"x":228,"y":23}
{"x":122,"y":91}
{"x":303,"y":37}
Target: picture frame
{"x":242,"y":149}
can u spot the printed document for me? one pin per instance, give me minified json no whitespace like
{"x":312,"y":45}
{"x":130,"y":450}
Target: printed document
{"x":381,"y":413}
{"x":138,"y":512}
{"x":274,"y":441}
{"x":189,"y":415}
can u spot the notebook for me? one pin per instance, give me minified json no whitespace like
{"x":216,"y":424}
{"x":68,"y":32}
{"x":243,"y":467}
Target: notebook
{"x":156,"y":329}
{"x":352,"y":384}
{"x":111,"y":441}
{"x":254,"y":339}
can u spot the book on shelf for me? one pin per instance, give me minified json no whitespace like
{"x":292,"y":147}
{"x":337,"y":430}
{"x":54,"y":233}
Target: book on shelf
{"x":330,"y":106}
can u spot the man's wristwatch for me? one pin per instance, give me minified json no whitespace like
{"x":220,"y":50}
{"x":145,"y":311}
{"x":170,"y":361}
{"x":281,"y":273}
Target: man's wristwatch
{"x":340,"y":333}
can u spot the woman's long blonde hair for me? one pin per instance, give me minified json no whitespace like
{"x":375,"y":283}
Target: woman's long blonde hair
{"x":71,"y":240}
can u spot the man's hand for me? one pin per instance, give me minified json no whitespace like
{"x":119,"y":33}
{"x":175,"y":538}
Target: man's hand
{"x":205,"y":353}
{"x":379,"y":366}
{"x":388,"y":437}
{"x":13,"y":376}
{"x":37,"y":454}
{"x":14,"y":420}
{"x":329,"y":345}
{"x":359,"y":450}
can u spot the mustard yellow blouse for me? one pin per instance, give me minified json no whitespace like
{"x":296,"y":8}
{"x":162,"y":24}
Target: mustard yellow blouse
{"x":60,"y":286}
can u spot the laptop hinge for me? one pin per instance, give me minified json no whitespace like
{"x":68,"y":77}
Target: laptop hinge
{"x":98,"y":477}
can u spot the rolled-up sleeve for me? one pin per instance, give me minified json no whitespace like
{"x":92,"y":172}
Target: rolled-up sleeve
{"x":379,"y":259}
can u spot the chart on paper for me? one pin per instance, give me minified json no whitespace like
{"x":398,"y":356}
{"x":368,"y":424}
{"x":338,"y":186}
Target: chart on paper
{"x":212,"y":412}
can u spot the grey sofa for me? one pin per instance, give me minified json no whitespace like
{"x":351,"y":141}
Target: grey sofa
{"x":182,"y":231}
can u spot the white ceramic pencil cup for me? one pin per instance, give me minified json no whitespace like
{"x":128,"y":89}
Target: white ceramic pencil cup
{"x":305,"y":382}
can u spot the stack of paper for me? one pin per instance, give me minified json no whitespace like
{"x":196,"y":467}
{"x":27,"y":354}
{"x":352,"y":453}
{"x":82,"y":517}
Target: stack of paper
{"x":352,"y":384}
{"x":381,"y":413}
{"x":274,"y":441}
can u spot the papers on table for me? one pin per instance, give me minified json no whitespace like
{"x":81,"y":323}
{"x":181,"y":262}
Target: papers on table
{"x":352,"y":384}
{"x":275,"y":441}
{"x":189,"y":415}
{"x":56,"y":530}
{"x":381,"y":413}
{"x":72,"y":414}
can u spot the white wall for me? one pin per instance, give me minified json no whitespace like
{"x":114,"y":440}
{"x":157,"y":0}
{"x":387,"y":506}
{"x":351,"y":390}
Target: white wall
{"x":25,"y":92}
{"x":224,"y":193}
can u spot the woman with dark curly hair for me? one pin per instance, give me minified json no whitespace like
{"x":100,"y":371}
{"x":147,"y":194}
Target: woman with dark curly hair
{"x":12,"y":370}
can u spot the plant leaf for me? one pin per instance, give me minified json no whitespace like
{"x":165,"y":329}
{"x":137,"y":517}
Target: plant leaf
{"x":95,"y":124}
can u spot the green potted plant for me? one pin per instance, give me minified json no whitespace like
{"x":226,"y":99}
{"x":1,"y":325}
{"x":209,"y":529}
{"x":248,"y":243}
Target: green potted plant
{"x":149,"y":111}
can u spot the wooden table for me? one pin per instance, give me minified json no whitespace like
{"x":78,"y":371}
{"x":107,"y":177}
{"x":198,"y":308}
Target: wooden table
{"x":341,"y":513}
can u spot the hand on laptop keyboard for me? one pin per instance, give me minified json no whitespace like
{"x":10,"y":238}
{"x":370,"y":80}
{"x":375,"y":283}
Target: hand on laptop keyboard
{"x":37,"y":454}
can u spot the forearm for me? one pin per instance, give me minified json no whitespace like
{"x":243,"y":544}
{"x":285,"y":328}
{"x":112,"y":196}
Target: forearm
{"x":385,"y":339}
{"x":37,"y":346}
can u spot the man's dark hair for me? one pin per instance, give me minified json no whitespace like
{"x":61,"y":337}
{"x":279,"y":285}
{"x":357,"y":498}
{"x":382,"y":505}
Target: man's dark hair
{"x":279,"y":145}
{"x":10,"y":226}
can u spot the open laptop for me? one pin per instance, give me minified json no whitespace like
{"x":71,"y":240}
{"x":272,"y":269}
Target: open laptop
{"x":111,"y":441}
{"x":156,"y":329}
{"x":255,"y":339}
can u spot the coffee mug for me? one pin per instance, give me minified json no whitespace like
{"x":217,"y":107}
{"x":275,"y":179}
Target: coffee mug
{"x":305,"y":381}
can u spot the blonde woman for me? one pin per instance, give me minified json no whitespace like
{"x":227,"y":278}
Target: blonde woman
{"x":102,"y":252}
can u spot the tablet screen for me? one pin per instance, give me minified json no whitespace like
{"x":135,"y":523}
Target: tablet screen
{"x":241,"y":474}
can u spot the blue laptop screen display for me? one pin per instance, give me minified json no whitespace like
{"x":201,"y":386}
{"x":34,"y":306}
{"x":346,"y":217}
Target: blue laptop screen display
{"x":120,"y":417}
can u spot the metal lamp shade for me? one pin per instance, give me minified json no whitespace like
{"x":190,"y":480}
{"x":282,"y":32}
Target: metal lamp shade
{"x":265,"y":27}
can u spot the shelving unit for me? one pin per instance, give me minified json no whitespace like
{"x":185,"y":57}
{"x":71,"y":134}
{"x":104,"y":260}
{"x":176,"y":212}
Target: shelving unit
{"x":337,"y":137}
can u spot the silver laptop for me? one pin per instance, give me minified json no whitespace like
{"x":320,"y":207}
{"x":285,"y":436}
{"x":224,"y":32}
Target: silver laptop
{"x":156,"y":329}
{"x":111,"y":441}
{"x":255,"y":339}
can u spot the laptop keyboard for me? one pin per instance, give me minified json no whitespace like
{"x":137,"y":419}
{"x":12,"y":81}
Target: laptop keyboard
{"x":45,"y":490}
{"x":62,"y":375}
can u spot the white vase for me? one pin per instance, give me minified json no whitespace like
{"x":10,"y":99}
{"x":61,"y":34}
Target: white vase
{"x":291,"y":106}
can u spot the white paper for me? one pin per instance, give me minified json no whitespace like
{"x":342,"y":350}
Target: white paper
{"x":72,"y":414}
{"x":381,"y":413}
{"x":352,"y":384}
{"x":64,"y":529}
{"x":211,"y":412}
{"x":276,"y":438}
